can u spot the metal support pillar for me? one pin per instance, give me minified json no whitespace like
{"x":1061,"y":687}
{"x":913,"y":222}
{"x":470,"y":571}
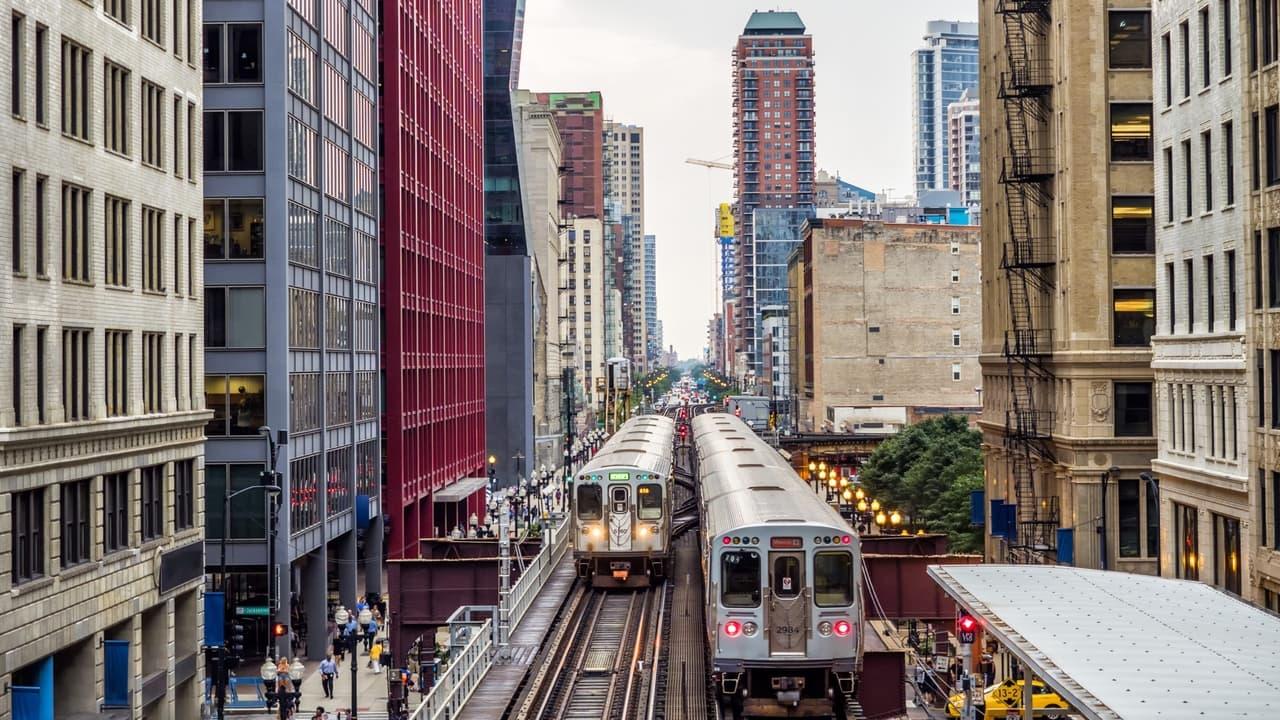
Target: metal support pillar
{"x":373,"y":552}
{"x":315,"y":592}
{"x":346,"y":557}
{"x":1027,"y":710}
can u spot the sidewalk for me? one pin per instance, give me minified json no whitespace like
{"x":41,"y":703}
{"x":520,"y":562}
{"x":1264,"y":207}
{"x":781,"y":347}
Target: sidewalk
{"x":371,"y":693}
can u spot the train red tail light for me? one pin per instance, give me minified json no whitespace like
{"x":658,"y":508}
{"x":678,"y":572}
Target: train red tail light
{"x":733,"y":628}
{"x":843,"y":628}
{"x":726,"y":540}
{"x":845,"y":540}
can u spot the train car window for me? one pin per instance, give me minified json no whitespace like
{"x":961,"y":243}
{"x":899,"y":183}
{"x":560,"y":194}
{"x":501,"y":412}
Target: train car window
{"x":590,"y":502}
{"x":833,"y":579}
{"x":619,"y":500}
{"x":740,"y":579}
{"x":650,"y":502}
{"x":786,"y":576}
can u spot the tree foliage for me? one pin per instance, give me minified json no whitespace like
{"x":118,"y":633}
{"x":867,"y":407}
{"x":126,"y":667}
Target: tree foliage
{"x":927,"y":472}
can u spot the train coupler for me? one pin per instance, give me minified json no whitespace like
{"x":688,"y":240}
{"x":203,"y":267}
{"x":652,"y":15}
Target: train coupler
{"x":846,"y":682}
{"x":787,"y":690}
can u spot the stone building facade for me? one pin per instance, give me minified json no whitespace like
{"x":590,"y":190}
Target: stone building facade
{"x":1200,"y":219}
{"x":584,"y":245}
{"x":884,"y":315}
{"x":101,"y":361}
{"x":1066,"y":113}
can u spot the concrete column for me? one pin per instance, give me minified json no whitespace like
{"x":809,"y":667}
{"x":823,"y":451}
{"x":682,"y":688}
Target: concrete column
{"x":345,"y":552}
{"x":373,"y":554}
{"x":316,"y":593}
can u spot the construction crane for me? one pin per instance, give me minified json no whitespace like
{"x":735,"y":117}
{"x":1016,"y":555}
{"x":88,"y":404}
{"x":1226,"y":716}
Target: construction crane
{"x":709,"y":163}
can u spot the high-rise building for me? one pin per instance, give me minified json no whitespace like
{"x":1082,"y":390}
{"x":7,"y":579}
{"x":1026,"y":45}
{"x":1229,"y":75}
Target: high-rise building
{"x":584,"y":246}
{"x":1068,"y":314}
{"x":830,"y":191}
{"x":433,"y":235}
{"x":887,"y":322}
{"x":778,"y":232}
{"x":540,"y":151}
{"x":773,"y":147}
{"x":652,"y":326}
{"x":102,"y":459}
{"x":624,"y":203}
{"x":508,"y":262}
{"x":964,"y":161}
{"x":580,"y":120}
{"x":311,"y":367}
{"x":943,"y":69}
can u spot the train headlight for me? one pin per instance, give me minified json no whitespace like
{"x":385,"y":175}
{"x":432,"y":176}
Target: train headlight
{"x":843,"y":628}
{"x":597,"y":532}
{"x":749,"y":628}
{"x":732,"y":628}
{"x":643,"y":531}
{"x":824,"y":628}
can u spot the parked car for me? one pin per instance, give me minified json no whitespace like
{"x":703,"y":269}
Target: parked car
{"x":1005,"y":696}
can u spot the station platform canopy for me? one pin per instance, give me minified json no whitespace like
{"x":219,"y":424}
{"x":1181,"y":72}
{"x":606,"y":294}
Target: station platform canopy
{"x":460,"y":490}
{"x":1119,"y":645}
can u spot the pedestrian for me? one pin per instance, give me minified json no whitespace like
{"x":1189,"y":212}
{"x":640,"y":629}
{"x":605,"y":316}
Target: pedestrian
{"x":320,"y":714}
{"x":370,"y":632}
{"x":328,"y":671}
{"x":375,"y":657}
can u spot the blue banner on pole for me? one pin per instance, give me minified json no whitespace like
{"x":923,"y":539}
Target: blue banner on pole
{"x":215,"y":618}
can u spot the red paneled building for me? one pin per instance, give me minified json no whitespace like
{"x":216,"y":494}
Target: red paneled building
{"x":433,"y":258}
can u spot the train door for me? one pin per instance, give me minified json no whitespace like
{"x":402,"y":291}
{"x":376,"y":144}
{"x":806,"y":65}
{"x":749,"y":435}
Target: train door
{"x":619,"y":517}
{"x":787,"y":614}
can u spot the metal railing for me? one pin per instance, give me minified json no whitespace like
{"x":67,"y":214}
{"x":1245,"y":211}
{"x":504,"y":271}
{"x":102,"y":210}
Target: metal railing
{"x":526,"y":589}
{"x":455,"y":686}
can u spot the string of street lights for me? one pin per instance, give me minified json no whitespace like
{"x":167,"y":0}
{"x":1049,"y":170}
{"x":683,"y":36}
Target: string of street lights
{"x":866,"y":512}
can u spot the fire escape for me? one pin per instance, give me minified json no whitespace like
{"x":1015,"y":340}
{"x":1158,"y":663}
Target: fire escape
{"x":1030,"y":528}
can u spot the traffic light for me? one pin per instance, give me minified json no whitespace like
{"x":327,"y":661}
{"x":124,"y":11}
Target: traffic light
{"x":966,"y":627}
{"x":279,"y":630}
{"x":235,"y":643}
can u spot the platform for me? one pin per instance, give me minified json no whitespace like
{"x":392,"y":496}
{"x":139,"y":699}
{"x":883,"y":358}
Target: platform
{"x":502,"y":680}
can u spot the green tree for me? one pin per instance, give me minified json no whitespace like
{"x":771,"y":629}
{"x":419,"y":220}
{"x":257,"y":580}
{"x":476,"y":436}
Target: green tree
{"x":927,"y":471}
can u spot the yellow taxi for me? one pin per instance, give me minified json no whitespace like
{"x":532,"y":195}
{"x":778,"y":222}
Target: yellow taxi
{"x":999,"y":699}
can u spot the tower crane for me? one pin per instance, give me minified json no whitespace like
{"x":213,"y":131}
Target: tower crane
{"x":709,"y":163}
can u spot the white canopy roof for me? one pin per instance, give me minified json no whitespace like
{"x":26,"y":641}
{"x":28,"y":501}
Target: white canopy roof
{"x":1118,"y":645}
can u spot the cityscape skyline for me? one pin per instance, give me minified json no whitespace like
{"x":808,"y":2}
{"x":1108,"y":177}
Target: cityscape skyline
{"x":631,"y":59}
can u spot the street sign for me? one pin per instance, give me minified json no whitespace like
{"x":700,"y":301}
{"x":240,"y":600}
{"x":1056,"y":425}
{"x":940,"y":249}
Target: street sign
{"x":253,"y":610}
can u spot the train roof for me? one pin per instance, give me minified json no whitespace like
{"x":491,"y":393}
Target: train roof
{"x":745,"y":482}
{"x":645,"y":442}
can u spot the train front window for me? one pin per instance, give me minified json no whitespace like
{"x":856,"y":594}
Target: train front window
{"x":590,"y":502}
{"x":650,"y":502}
{"x":786,"y":576}
{"x":740,"y":579}
{"x":833,"y":579}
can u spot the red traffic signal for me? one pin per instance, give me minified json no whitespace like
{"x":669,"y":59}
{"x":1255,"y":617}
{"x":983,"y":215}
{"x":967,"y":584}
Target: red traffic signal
{"x":966,"y":627}
{"x":279,"y":630}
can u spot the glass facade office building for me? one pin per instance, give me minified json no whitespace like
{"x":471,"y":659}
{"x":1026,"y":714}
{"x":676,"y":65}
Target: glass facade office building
{"x":943,"y":70}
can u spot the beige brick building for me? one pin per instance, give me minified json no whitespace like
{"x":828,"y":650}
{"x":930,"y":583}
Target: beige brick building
{"x":101,"y":373}
{"x":1067,"y":315}
{"x":886,"y":317}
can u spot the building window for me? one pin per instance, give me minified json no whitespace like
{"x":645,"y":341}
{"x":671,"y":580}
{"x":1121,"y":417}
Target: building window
{"x":304,"y":319}
{"x":26,"y":510}
{"x":233,"y":229}
{"x":1206,"y":145}
{"x":1170,"y":293}
{"x":117,"y":10}
{"x":116,"y":240}
{"x":337,"y":388}
{"x":15,"y":219}
{"x":955,"y":276}
{"x":338,"y":477}
{"x":76,"y":95}
{"x":337,"y":323}
{"x":366,"y":395}
{"x":115,"y":512}
{"x":1130,"y":40}
{"x":1210,"y":294}
{"x":1268,"y":30}
{"x":1229,"y":154}
{"x":75,"y":233}
{"x":1190,"y":287}
{"x":242,"y":61}
{"x":1168,"y":184}
{"x":955,"y":373}
{"x":1187,"y":195}
{"x":955,"y":338}
{"x":1253,"y":34}
{"x":235,"y":317}
{"x":303,"y":231}
{"x":17,"y":64}
{"x":1134,"y":317}
{"x":116,"y":372}
{"x":1273,"y":267}
{"x":177,"y":136}
{"x":1206,"y":67}
{"x":42,"y":75}
{"x":1255,"y":152}
{"x":302,"y":68}
{"x":1129,"y":524}
{"x":16,"y":386}
{"x":304,"y":402}
{"x":1226,"y":553}
{"x":184,"y":494}
{"x":1166,"y":45}
{"x":152,"y":502}
{"x":152,"y":372}
{"x":178,"y":227}
{"x":1274,"y":361}
{"x":42,"y":349}
{"x":117,"y":124}
{"x":366,"y":322}
{"x":1133,"y":224}
{"x":1133,"y":409}
{"x":1184,"y":34}
{"x":955,"y":306}
{"x":1187,"y":548}
{"x":75,"y":373}
{"x":337,"y":247}
{"x":1260,"y":378}
{"x":1271,"y":118}
{"x":1257,"y":270}
{"x":153,"y":21}
{"x":1224,"y":22}
{"x":237,"y":402}
{"x":1231,"y":289}
{"x":153,"y":100}
{"x":301,"y":151}
{"x":304,"y":492}
{"x":1275,"y":511}
{"x":74,"y":513}
{"x":233,"y":141}
{"x":152,"y":249}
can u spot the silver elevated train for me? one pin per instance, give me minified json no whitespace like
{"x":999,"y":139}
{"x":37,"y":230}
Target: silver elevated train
{"x":622,"y":506}
{"x":783,"y":599}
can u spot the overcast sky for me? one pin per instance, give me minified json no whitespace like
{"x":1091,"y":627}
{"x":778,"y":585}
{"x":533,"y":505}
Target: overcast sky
{"x":664,"y":64}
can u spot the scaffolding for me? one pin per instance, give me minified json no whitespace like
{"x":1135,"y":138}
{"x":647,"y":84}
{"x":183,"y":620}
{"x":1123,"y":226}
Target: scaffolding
{"x":1028,"y":262}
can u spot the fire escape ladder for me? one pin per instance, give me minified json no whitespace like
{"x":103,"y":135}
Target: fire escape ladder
{"x":1028,"y":261}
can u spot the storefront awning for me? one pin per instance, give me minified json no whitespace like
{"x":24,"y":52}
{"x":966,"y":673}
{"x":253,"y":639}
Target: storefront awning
{"x":1119,"y":645}
{"x":460,"y":490}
